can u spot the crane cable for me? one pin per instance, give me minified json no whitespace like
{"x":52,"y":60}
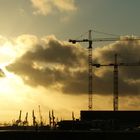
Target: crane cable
{"x":105,"y":33}
{"x":96,"y":31}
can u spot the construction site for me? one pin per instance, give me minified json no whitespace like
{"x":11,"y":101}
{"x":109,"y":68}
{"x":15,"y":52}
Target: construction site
{"x":91,"y":122}
{"x":90,"y":119}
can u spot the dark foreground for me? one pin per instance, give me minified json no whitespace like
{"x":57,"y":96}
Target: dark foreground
{"x":50,"y":135}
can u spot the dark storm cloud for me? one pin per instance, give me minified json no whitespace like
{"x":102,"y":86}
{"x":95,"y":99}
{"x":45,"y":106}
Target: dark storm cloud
{"x":53,"y":62}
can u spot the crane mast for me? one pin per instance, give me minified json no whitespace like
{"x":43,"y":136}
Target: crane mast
{"x":18,"y":122}
{"x":50,"y":118}
{"x":34,"y":119}
{"x":115,"y":96}
{"x":25,"y":122}
{"x":90,"y":71}
{"x":41,"y":120}
{"x":89,"y":40}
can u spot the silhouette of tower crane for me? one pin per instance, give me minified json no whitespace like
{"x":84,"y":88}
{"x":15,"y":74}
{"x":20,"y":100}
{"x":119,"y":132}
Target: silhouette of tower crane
{"x":90,"y":57}
{"x":115,"y":89}
{"x":19,"y":121}
{"x":25,"y":122}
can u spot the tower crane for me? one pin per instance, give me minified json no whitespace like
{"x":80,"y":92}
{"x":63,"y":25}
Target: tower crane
{"x":18,"y":122}
{"x":73,"y":117}
{"x":25,"y":122}
{"x":34,"y":119}
{"x":40,"y":115}
{"x":50,"y":119}
{"x":115,"y":89}
{"x":90,"y":58}
{"x":53,"y":119}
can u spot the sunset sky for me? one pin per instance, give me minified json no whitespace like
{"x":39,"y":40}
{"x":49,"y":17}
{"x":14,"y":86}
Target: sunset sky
{"x":42,"y":68}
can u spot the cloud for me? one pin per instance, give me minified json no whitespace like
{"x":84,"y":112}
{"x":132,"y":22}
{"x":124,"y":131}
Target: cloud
{"x":129,"y":76}
{"x":2,"y":74}
{"x":51,"y":62}
{"x":65,"y":5}
{"x":56,"y":64}
{"x":46,"y":7}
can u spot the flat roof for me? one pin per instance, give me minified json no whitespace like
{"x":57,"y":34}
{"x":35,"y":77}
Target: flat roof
{"x":124,"y":115}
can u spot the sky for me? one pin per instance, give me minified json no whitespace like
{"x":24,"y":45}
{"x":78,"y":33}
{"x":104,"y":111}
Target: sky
{"x":42,"y":68}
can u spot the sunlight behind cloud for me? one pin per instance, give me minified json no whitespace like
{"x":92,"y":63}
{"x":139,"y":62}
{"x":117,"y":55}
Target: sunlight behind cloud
{"x":52,"y":73}
{"x":11,"y":48}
